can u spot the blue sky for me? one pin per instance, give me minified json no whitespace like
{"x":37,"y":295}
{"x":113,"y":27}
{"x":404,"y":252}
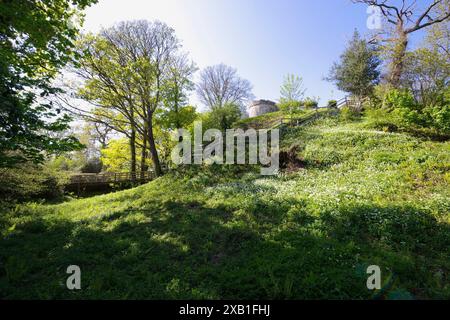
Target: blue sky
{"x":263,"y":39}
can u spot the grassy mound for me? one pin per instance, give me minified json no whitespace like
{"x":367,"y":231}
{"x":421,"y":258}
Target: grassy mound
{"x":362,"y":198}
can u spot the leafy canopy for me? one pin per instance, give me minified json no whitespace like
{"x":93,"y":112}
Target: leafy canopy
{"x":357,"y":71}
{"x":36,"y":40}
{"x":292,"y":88}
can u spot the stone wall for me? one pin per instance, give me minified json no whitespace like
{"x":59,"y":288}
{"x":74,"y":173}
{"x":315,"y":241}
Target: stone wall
{"x":260,"y":107}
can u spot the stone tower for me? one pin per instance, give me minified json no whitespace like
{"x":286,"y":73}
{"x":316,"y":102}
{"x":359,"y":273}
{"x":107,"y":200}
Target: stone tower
{"x":260,"y":107}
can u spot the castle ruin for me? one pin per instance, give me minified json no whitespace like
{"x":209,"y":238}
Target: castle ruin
{"x":260,"y":107}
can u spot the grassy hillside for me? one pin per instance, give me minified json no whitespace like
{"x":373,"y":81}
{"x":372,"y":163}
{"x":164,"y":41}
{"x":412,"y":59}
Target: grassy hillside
{"x":359,"y":198}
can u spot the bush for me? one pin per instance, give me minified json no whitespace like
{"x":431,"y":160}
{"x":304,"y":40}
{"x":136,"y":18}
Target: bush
{"x":221,"y":118}
{"x":403,"y":107}
{"x":92,"y":166}
{"x":290,"y":107}
{"x":395,"y":99}
{"x":399,"y":109}
{"x":310,"y":103}
{"x":30,"y":182}
{"x":439,"y":118}
{"x":347,"y":114}
{"x":332,"y":103}
{"x":407,"y":118}
{"x":380,"y":119}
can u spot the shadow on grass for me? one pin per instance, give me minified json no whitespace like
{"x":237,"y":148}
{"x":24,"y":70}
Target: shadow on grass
{"x":186,"y":250}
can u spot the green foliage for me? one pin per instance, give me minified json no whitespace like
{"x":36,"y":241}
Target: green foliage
{"x":332,"y":103}
{"x":439,"y":118}
{"x":426,"y":74}
{"x":403,"y":107}
{"x":292,"y":92}
{"x":116,"y":156}
{"x":223,"y":232}
{"x":291,"y":107}
{"x":380,"y":119}
{"x":357,"y":71}
{"x":399,"y":99}
{"x":348,"y":114}
{"x":177,"y":114}
{"x":292,"y":89}
{"x":266,"y":120}
{"x":310,"y":103}
{"x":36,"y":41}
{"x":71,"y":162}
{"x":92,"y":166}
{"x":182,"y":117}
{"x":221,"y":118}
{"x":399,"y":109}
{"x":132,"y":81}
{"x":31,"y":182}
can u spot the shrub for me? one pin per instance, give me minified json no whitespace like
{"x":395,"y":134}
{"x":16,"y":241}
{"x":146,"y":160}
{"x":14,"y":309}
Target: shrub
{"x":29,"y":182}
{"x":332,"y":103}
{"x":400,"y":109}
{"x":347,"y":114}
{"x":380,"y":119}
{"x":439,"y":118}
{"x":221,"y":118}
{"x":290,"y":107}
{"x":407,"y":117}
{"x":92,"y":166}
{"x":310,"y":103}
{"x":395,"y":99}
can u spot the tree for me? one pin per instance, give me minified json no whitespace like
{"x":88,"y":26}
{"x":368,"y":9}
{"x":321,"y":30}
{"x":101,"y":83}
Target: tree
{"x":220,"y":85}
{"x":438,"y":35}
{"x":427,"y":69}
{"x":182,"y":117}
{"x":406,"y":19}
{"x":222,"y":118}
{"x":426,"y":74}
{"x":176,"y":113}
{"x":108,"y":83}
{"x":357,"y":71}
{"x":129,"y":74}
{"x":292,"y":89}
{"x":37,"y":38}
{"x":115,"y":157}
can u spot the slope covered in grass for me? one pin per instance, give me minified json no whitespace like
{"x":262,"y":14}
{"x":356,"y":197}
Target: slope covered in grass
{"x":362,"y":198}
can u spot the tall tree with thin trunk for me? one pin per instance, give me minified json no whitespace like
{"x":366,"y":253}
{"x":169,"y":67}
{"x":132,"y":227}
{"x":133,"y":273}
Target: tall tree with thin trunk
{"x":126,"y":69}
{"x":179,"y":83}
{"x":407,"y":17}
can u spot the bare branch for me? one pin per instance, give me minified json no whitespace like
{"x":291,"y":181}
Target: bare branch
{"x":220,"y":85}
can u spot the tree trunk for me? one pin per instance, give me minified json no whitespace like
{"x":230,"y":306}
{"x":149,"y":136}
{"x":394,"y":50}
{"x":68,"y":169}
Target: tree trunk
{"x":133,"y":149}
{"x":144,"y":156}
{"x":398,"y":58}
{"x":152,"y":146}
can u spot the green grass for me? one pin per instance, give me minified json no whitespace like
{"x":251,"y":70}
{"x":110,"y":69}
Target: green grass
{"x":364,"y":197}
{"x":262,"y":121}
{"x":273,"y":119}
